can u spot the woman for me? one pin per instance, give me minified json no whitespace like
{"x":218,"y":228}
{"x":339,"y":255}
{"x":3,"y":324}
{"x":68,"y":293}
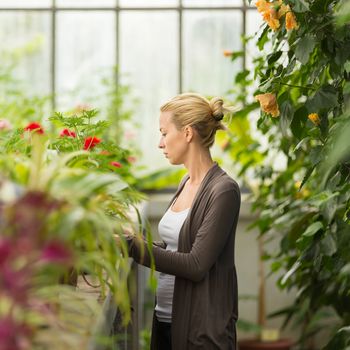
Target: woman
{"x":197,"y":288}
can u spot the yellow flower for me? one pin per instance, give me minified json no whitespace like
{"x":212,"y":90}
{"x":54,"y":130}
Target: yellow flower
{"x":315,"y":118}
{"x":268,"y":104}
{"x":291,"y":22}
{"x":301,"y":193}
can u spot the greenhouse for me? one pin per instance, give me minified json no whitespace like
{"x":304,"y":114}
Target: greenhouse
{"x":175,"y":174}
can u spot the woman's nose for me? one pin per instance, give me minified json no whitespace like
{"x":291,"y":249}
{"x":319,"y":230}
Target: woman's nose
{"x":161,"y":143}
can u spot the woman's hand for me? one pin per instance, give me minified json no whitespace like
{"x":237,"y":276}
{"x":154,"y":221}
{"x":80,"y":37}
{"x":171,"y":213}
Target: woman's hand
{"x":126,"y":234}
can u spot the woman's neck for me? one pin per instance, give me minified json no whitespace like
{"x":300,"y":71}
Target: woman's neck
{"x":197,"y":165}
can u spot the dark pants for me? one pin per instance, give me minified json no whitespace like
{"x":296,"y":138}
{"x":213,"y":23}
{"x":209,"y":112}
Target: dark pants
{"x":163,"y":335}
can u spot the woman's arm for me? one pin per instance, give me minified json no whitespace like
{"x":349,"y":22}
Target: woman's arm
{"x":209,"y":242}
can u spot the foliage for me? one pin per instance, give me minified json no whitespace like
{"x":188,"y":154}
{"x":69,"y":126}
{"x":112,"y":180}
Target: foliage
{"x":304,"y":202}
{"x":72,"y":198}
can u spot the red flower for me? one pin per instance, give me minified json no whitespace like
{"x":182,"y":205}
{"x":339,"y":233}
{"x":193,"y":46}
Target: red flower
{"x":56,"y":252}
{"x":91,"y":142}
{"x":68,"y":133}
{"x":35,"y":127}
{"x":116,"y":164}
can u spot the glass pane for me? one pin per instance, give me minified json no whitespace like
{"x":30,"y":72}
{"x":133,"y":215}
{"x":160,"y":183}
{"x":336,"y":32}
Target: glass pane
{"x":25,"y":45}
{"x":25,"y":3}
{"x":86,"y":46}
{"x":251,"y":4}
{"x":212,"y":3}
{"x":149,"y":63}
{"x":148,"y":3}
{"x":254,"y":22}
{"x":85,"y":3}
{"x":207,"y":34}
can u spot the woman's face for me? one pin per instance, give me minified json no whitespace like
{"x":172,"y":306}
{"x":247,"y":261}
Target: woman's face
{"x":173,"y":142}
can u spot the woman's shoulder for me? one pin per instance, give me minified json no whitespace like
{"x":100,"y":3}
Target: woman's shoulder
{"x":224,"y":182}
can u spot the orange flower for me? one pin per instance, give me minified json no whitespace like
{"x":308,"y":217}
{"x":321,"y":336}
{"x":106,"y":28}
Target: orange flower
{"x":272,"y":19}
{"x":269,"y":13}
{"x":282,"y":10}
{"x":315,"y":118}
{"x":228,"y":53}
{"x":291,"y":22}
{"x":262,"y":6}
{"x":268,"y":104}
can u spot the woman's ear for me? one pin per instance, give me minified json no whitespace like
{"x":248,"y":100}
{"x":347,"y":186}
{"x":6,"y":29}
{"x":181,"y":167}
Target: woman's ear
{"x":189,"y":133}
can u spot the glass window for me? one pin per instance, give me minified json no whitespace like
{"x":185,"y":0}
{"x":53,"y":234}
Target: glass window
{"x":148,"y":3}
{"x":211,"y":3}
{"x":206,"y":34}
{"x":26,"y":45}
{"x":85,"y":51}
{"x":85,"y":3}
{"x":254,"y":25}
{"x":25,"y":3}
{"x":149,"y":63}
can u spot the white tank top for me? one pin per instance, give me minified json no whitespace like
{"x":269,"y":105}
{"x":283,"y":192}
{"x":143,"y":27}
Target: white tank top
{"x":169,"y":228}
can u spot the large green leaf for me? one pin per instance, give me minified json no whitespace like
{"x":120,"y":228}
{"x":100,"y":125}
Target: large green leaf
{"x":304,"y":48}
{"x":313,"y":229}
{"x":326,"y":97}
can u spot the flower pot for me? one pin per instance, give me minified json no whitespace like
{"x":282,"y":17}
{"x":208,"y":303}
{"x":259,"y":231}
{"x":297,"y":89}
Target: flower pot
{"x":256,"y":344}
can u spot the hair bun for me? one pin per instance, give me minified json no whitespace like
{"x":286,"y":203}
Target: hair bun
{"x":216,"y":105}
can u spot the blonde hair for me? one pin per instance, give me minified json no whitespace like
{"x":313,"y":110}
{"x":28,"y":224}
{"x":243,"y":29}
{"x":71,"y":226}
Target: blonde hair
{"x":195,"y":110}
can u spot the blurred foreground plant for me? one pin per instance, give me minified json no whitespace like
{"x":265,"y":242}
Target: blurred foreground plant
{"x":71,"y":199}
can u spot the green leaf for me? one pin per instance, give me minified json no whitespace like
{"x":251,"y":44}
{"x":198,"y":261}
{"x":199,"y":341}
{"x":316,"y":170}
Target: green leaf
{"x":300,"y":6}
{"x":313,"y":229}
{"x":316,"y":155}
{"x":263,"y":38}
{"x":325,"y":98}
{"x":286,"y":116}
{"x":304,"y":48}
{"x":241,"y":76}
{"x":329,"y":245}
{"x":298,"y":122}
{"x":290,"y":272}
{"x":272,"y":58}
{"x":236,"y":54}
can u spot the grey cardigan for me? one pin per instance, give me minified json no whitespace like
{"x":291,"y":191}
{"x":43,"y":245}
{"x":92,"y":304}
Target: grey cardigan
{"x":205,"y":293}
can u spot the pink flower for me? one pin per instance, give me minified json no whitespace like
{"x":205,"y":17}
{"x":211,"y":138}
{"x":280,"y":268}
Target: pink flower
{"x":5,"y":250}
{"x":116,"y":164}
{"x":131,"y":159}
{"x":5,"y":124}
{"x":57,"y":252}
{"x":34,"y":127}
{"x":13,"y":336}
{"x":68,"y":133}
{"x":91,"y":142}
{"x":16,"y":283}
{"x":82,"y":107}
